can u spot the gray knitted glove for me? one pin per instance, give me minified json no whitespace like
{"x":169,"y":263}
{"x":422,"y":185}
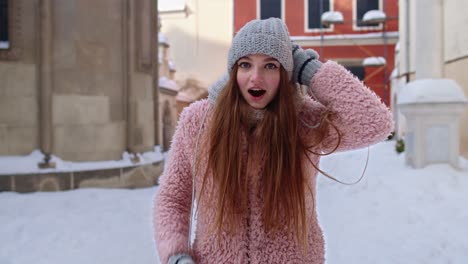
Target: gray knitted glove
{"x":306,"y":64}
{"x":180,"y":259}
{"x":215,"y":89}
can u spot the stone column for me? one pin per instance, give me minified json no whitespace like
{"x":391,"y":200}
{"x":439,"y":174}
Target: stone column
{"x":129,"y":107}
{"x":429,"y":39}
{"x":155,"y":63}
{"x":45,"y":77}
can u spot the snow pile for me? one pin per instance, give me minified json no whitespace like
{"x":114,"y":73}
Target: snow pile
{"x":29,"y":164}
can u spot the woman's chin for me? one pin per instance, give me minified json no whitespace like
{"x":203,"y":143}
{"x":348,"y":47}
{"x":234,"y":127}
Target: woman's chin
{"x":257,"y":106}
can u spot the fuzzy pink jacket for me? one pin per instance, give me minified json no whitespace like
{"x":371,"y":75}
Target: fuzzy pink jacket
{"x":362,"y":120}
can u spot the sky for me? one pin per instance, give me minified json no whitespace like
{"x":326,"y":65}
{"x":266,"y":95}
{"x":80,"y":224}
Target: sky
{"x":396,"y":214}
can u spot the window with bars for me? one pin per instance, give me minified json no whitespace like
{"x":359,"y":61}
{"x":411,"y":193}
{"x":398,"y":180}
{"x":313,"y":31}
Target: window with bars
{"x":4,"y":34}
{"x":270,"y":8}
{"x":362,"y":6}
{"x":315,"y":9}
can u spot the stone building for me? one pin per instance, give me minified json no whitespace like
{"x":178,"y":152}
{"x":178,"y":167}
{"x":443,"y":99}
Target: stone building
{"x":200,"y":32}
{"x":79,"y":81}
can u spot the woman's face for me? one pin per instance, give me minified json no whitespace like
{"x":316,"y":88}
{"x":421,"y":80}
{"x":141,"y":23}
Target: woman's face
{"x":258,"y":77}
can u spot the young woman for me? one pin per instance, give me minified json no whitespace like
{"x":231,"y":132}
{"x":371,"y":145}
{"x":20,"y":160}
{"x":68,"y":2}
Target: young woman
{"x":248,"y":156}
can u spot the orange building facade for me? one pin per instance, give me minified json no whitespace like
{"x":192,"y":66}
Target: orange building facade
{"x":351,"y":42}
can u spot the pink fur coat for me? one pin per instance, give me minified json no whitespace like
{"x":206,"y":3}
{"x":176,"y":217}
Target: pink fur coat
{"x":362,"y":120}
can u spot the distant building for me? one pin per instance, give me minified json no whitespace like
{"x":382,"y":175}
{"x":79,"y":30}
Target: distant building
{"x":200,"y":32}
{"x":337,"y":30}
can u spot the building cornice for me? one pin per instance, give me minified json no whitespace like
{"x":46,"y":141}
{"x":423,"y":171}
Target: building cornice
{"x":378,"y":38}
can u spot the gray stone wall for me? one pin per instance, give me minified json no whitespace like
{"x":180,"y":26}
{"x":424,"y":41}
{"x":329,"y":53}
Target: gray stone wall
{"x":19,"y":114}
{"x":101,"y":98}
{"x":18,"y":109}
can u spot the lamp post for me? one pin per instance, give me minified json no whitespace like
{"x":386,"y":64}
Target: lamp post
{"x":379,"y":17}
{"x":327,"y":19}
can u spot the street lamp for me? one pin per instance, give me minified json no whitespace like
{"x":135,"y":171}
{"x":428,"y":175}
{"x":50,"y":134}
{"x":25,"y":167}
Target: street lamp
{"x":329,"y":18}
{"x":373,"y":17}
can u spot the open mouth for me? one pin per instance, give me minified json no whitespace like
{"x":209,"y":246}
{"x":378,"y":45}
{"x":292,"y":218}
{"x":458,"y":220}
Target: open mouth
{"x":256,"y":92}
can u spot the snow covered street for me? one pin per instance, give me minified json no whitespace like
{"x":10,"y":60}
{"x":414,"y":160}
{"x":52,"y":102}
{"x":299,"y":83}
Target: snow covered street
{"x":396,"y":214}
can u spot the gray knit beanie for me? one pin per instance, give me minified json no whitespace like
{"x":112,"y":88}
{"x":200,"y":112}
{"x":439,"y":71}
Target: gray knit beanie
{"x":269,"y":37}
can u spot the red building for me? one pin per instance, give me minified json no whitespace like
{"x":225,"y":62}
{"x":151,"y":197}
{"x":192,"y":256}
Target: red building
{"x":351,"y":37}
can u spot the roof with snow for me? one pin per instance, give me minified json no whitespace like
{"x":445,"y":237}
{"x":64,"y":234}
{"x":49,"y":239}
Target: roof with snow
{"x":168,"y":84}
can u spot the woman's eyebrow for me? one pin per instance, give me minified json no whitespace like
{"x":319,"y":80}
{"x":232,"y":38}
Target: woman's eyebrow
{"x":270,"y":59}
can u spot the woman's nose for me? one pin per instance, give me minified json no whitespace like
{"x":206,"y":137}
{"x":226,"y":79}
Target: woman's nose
{"x":256,"y":75}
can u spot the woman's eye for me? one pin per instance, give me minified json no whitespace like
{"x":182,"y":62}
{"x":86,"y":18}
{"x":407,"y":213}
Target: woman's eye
{"x":244,"y":64}
{"x":271,"y":66}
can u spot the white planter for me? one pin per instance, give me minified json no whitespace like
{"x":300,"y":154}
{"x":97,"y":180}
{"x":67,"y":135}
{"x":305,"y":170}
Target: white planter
{"x":432,"y":108}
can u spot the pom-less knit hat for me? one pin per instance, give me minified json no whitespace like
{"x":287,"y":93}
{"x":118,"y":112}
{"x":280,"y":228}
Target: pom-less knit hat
{"x":269,"y":37}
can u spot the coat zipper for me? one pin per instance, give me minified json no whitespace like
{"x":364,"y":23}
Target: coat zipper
{"x":249,"y":178}
{"x":248,"y":232}
{"x":249,"y":181}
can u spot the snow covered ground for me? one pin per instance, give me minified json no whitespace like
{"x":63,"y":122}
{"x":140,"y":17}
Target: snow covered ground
{"x":396,"y":214}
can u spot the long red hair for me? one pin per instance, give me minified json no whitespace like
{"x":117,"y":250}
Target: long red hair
{"x":284,"y":154}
